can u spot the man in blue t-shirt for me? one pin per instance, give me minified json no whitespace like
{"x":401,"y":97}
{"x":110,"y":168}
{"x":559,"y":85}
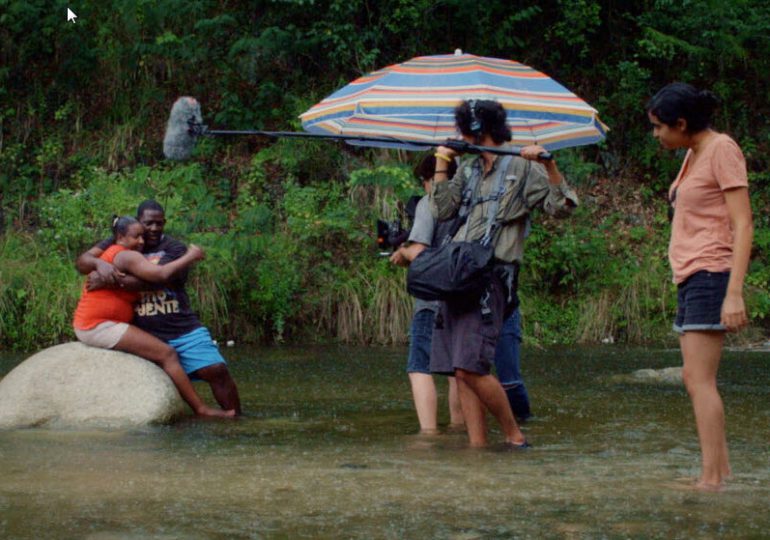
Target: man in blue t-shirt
{"x":165,"y":312}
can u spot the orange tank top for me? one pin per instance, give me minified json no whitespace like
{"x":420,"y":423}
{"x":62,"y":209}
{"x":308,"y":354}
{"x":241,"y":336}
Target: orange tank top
{"x":96,"y":307}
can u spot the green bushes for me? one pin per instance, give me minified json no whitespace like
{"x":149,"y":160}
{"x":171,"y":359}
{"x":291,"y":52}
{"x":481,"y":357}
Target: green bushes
{"x":288,"y":224}
{"x":303,"y":266}
{"x":598,"y":275}
{"x":38,"y":293}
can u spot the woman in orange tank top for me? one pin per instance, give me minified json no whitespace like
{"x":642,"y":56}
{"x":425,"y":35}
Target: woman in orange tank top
{"x":711,"y":237}
{"x":102,"y":316}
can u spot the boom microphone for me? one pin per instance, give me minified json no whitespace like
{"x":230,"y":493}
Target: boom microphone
{"x":185,"y":125}
{"x":179,"y":141}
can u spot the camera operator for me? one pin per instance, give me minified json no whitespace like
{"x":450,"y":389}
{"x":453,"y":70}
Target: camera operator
{"x":425,"y":232}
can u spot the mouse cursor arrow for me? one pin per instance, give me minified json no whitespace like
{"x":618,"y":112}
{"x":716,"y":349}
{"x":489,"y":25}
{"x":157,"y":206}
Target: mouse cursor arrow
{"x":71,"y":16}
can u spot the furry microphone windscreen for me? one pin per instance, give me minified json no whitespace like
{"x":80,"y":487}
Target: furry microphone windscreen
{"x":178,"y":143}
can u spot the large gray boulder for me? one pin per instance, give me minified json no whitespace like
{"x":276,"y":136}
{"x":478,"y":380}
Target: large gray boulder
{"x":77,"y":386}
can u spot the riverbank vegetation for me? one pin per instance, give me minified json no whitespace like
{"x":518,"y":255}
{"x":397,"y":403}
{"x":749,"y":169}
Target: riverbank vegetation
{"x":289,"y":225}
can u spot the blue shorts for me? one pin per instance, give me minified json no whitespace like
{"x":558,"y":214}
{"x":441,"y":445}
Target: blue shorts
{"x":196,"y":350}
{"x":699,"y":300}
{"x":420,"y":335}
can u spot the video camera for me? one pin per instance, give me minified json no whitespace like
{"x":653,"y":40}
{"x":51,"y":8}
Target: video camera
{"x":390,"y":234}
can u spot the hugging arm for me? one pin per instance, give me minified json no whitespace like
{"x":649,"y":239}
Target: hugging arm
{"x":104,"y":275}
{"x":134,"y":263}
{"x":89,"y":262}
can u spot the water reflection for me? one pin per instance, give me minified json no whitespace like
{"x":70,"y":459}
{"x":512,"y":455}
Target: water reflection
{"x":328,"y":449}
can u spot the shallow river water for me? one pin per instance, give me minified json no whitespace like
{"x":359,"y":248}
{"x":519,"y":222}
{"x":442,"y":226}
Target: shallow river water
{"x":328,"y":449}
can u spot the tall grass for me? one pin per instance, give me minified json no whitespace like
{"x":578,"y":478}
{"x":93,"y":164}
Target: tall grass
{"x":390,"y":310}
{"x":38,"y":294}
{"x":210,"y":300}
{"x":635,"y":312}
{"x":341,"y":314}
{"x":367,"y":309}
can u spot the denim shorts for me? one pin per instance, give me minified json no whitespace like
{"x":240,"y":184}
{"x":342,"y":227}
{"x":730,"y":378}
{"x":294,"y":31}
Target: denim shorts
{"x":699,"y":300}
{"x":420,"y":336}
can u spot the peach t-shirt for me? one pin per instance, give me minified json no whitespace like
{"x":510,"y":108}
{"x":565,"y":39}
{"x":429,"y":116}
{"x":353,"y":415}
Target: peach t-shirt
{"x":701,"y":234}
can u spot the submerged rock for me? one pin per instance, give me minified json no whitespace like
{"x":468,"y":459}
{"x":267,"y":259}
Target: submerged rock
{"x":669,"y":375}
{"x":74,"y":385}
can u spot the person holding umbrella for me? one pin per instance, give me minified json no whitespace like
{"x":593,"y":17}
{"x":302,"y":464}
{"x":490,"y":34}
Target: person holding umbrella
{"x":466,"y":333}
{"x":711,"y":236}
{"x":426,"y":231}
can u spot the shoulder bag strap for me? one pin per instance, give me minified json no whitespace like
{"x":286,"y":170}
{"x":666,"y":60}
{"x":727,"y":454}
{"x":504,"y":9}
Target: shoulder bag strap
{"x":498,"y":189}
{"x":467,"y":201}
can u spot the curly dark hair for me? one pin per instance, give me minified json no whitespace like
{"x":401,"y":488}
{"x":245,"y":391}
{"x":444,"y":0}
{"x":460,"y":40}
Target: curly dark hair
{"x":477,"y":118}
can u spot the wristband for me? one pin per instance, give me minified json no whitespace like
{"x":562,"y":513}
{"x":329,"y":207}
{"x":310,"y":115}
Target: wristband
{"x":437,"y":155}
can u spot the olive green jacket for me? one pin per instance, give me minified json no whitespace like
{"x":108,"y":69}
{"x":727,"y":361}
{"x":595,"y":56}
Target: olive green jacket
{"x":515,"y":205}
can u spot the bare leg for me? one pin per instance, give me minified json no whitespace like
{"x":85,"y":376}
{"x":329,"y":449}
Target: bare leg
{"x":473,"y":412}
{"x":222,"y":386}
{"x":701,"y":352}
{"x":140,"y":343}
{"x":456,"y":417}
{"x":490,"y":393}
{"x":424,"y":394}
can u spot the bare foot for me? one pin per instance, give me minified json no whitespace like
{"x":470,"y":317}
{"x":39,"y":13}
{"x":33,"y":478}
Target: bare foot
{"x":690,"y":484}
{"x":456,"y":427}
{"x":701,"y":485}
{"x":517,"y":440}
{"x":216,"y":413}
{"x":517,"y":446}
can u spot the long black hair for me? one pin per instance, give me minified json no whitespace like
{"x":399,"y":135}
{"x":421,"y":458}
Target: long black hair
{"x":477,"y":118}
{"x":120,"y":225}
{"x":681,"y":100}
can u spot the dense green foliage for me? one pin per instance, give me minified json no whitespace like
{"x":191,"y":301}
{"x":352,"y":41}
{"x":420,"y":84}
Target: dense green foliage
{"x":288,"y":225}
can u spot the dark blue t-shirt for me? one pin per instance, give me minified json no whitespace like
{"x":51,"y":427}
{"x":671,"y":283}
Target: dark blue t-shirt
{"x":165,"y":312}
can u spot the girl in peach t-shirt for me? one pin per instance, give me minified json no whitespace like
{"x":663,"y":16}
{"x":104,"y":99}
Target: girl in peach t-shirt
{"x":711,"y":237}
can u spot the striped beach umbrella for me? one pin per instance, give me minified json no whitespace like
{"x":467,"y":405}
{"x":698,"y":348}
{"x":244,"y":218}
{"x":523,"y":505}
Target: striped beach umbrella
{"x":415,"y":101}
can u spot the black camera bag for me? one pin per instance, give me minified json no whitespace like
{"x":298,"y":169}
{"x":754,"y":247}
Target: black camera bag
{"x":453,"y":271}
{"x":459,"y":270}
